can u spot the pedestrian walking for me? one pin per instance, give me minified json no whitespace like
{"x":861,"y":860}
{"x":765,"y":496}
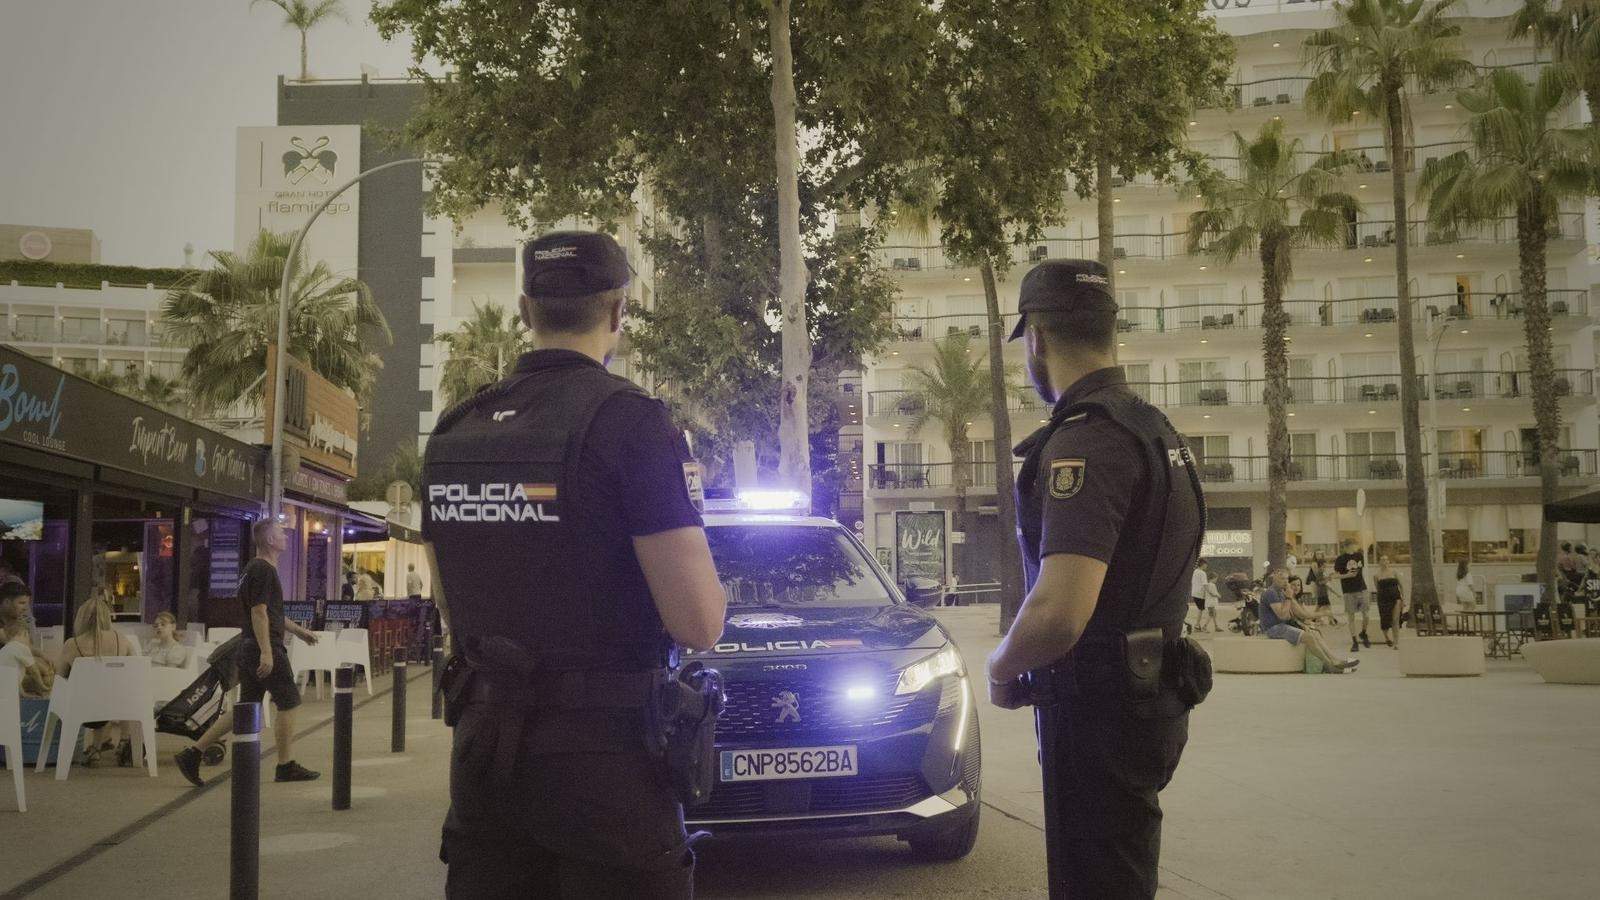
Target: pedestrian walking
{"x":562,"y":515}
{"x":1353,"y":585}
{"x":1110,"y":514}
{"x":1390,"y":601}
{"x":1197,"y":593}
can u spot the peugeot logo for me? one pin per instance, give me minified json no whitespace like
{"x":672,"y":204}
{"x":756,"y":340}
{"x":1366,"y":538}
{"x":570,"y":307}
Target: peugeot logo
{"x":787,"y":703}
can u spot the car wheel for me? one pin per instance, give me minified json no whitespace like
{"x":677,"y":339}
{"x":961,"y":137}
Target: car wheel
{"x":950,"y":844}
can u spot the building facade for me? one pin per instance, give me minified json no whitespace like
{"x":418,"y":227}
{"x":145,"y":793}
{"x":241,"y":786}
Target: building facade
{"x":1190,"y":342}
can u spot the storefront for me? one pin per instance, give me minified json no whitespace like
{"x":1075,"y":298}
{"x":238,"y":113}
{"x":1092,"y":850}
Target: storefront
{"x":104,"y":496}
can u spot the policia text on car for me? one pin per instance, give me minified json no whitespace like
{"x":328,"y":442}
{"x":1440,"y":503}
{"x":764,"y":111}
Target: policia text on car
{"x":571,"y":559}
{"x":1110,"y":515}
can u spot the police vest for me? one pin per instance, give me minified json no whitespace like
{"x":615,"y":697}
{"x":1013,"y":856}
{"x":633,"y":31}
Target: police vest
{"x":1158,"y":595}
{"x":520,"y":555}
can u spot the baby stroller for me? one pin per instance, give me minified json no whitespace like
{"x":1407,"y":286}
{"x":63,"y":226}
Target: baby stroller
{"x":1249,"y":618}
{"x":191,"y":712}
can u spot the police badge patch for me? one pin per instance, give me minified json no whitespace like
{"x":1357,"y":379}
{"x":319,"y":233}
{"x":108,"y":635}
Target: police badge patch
{"x":1066,"y":477}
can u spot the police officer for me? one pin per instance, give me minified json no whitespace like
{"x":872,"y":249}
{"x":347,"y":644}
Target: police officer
{"x":1109,"y":515}
{"x":569,"y":557}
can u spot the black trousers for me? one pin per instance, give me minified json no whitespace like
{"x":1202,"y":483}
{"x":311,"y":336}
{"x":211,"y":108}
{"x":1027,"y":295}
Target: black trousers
{"x":561,"y":825}
{"x":1105,"y":759}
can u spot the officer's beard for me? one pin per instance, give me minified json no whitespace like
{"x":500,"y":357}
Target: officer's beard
{"x":1039,"y":374}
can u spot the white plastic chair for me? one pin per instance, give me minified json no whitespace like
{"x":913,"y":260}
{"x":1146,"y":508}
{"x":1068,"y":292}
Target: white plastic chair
{"x":138,"y":632}
{"x":354,"y":647}
{"x":167,"y":682}
{"x":308,"y":659}
{"x":111,"y":688}
{"x":193,"y":636}
{"x":219,"y":635}
{"x":13,"y":657}
{"x":50,"y":638}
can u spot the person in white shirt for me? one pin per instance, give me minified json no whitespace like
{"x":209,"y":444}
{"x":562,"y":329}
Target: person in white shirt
{"x":1197,"y":593}
{"x":413,"y":582}
{"x":165,"y":649}
{"x":1213,"y":598}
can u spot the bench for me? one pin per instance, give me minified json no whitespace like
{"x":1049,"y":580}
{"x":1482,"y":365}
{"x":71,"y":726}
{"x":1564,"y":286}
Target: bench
{"x":1256,"y":655}
{"x":1441,"y":656}
{"x":1575,"y":661}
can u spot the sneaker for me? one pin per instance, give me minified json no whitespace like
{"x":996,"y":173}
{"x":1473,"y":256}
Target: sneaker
{"x":215,"y":754}
{"x":1355,"y":646}
{"x":293,"y":771}
{"x":1365,"y":641}
{"x":1349,"y":665}
{"x":188,"y":762}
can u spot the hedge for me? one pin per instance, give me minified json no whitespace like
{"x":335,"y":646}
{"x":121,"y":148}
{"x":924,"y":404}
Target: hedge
{"x":86,"y":275}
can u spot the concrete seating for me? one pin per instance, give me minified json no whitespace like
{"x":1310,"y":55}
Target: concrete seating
{"x":1255,"y":655}
{"x":1575,"y":661}
{"x":1441,"y":655}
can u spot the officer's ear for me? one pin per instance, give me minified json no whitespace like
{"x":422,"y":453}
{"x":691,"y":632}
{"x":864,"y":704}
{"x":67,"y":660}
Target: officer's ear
{"x":618,"y":309}
{"x":1033,"y":336}
{"x":525,"y":307}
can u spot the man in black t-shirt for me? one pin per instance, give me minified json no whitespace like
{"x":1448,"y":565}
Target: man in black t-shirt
{"x":1354,"y":585}
{"x":262,"y":659}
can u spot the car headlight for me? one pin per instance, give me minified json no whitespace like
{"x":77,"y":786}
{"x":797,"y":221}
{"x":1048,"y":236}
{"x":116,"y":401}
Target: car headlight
{"x":921,"y":673}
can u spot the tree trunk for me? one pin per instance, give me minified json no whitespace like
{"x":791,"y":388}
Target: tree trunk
{"x":1531,"y":239}
{"x":305,"y":73}
{"x":1275,"y":354}
{"x":1108,"y":223}
{"x":1424,"y":593}
{"x":1010,"y":563}
{"x":794,"y":446}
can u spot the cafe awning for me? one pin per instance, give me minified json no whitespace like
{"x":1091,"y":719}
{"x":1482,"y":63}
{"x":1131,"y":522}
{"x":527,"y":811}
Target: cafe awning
{"x":1582,"y":508}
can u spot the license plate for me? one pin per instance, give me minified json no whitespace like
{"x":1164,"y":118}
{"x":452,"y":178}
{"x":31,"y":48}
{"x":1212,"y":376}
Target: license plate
{"x":771,"y":765}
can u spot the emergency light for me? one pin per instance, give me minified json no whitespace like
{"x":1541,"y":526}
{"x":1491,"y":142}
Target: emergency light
{"x":769,"y":500}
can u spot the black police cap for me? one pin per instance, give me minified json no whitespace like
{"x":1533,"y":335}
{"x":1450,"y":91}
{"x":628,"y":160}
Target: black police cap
{"x":1063,"y":284}
{"x":573,"y":264}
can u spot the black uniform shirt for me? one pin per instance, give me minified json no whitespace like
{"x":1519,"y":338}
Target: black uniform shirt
{"x":1089,"y":474}
{"x":632,"y":462}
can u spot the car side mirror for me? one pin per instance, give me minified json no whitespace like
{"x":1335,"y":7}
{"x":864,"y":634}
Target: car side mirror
{"x":923,"y":592}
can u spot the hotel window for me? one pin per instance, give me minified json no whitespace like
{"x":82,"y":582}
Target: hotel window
{"x":1202,"y":305}
{"x":34,"y":328}
{"x":1460,"y":452}
{"x":1370,"y":377}
{"x":127,"y":332}
{"x":1371,"y":454}
{"x":982,"y":455}
{"x":1303,"y":456}
{"x":81,"y":330}
{"x":1138,"y":375}
{"x":1203,"y":380}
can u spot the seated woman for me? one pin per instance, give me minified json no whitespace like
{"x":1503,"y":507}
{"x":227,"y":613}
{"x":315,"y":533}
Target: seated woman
{"x":165,"y":649}
{"x":93,"y":636}
{"x":1285,"y":619}
{"x":39,"y":676}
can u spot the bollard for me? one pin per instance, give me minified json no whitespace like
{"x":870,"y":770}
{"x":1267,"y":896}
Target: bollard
{"x":245,"y":851}
{"x":344,"y":679}
{"x":438,"y":669}
{"x":397,"y":734}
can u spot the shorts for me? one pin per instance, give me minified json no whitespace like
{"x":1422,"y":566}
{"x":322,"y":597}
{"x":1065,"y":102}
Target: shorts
{"x":1199,"y":603}
{"x":1355,"y":601}
{"x":1285,"y":632}
{"x":280,"y":682}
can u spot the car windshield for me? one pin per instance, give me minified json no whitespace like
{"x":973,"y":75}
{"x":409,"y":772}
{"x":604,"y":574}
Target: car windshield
{"x":793,"y":566}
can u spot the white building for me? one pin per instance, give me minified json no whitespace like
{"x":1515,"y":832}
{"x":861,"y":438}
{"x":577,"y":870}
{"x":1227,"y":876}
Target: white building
{"x":1191,"y":343}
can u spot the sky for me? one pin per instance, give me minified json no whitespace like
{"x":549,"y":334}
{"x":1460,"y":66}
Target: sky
{"x":119,"y":115}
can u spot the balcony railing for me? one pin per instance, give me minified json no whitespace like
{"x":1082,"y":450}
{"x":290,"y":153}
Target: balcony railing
{"x":1290,"y":90}
{"x":113,"y":334}
{"x":1217,"y":470}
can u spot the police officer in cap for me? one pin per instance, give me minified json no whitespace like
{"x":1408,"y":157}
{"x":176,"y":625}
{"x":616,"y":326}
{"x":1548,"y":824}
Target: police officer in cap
{"x":1110,"y":515}
{"x":562,"y":518}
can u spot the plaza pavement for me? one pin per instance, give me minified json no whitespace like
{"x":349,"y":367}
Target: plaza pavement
{"x":1363,"y":785}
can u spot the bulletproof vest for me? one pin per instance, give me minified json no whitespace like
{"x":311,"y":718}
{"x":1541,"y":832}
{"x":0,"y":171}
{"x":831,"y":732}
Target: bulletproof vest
{"x":1156,"y":594}
{"x":521,"y":553}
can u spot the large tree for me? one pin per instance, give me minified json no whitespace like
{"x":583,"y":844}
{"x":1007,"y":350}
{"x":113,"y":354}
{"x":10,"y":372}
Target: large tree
{"x":1161,"y":61}
{"x":1012,"y":87}
{"x":1275,"y":205}
{"x":560,"y":108}
{"x":1522,"y":161}
{"x":228,"y":314}
{"x":304,"y":15}
{"x":1571,"y":28}
{"x":1369,"y":63}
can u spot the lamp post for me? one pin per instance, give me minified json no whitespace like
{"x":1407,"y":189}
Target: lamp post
{"x":281,"y":374}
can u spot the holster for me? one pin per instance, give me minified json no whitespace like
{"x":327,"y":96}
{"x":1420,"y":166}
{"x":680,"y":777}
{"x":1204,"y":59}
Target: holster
{"x":1143,"y":654}
{"x":681,"y":727}
{"x":1188,"y":668}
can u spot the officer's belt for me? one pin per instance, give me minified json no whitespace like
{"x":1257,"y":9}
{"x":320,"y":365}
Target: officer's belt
{"x":563,"y":690}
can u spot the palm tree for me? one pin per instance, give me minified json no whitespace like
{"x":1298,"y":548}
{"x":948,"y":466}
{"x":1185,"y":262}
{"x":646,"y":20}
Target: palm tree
{"x":1571,"y":28}
{"x":228,"y":314}
{"x":1521,"y":161}
{"x":163,"y":393}
{"x":1275,"y":206}
{"x":303,"y":16}
{"x":954,"y":393}
{"x":482,"y":351}
{"x":1367,"y":63}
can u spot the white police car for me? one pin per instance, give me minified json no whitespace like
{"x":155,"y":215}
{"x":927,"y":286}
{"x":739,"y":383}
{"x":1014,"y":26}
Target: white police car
{"x":849,"y":709}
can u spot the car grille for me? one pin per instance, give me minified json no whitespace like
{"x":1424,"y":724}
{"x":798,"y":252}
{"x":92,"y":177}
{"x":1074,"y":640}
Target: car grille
{"x":812,"y":796}
{"x":824,"y":709}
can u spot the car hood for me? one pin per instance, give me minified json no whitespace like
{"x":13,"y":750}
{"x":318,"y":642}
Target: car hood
{"x":779,"y":631}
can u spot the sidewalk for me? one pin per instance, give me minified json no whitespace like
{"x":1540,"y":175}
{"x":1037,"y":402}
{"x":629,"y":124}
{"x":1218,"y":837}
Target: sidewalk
{"x":1360,"y":785}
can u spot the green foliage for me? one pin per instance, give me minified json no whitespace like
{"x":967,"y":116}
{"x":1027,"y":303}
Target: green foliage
{"x":483,"y":350}
{"x":228,"y":314}
{"x":955,"y":392}
{"x":372,"y":483}
{"x":162,"y":393}
{"x":1571,"y":28}
{"x":88,"y":275}
{"x":1379,"y":52}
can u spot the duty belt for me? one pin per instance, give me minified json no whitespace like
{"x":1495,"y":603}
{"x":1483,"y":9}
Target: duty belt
{"x":576,"y":711}
{"x":563,"y":690}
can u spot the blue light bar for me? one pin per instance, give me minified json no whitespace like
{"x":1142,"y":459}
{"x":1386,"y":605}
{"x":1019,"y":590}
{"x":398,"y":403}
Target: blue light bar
{"x":761,"y":500}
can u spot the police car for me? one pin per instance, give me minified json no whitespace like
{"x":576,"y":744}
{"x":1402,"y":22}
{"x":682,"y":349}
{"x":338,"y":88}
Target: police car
{"x":850,"y":712}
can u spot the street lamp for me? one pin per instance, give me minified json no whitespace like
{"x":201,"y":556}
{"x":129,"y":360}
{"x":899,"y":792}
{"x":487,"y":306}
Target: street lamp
{"x":275,"y":492}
